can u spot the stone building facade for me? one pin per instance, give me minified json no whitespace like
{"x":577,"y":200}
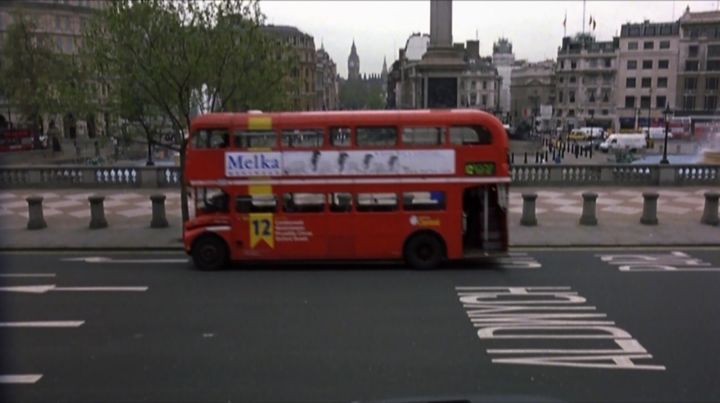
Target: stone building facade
{"x":503,"y":59}
{"x":62,"y":21}
{"x":326,"y":83}
{"x":533,"y":92}
{"x":646,"y":73}
{"x":586,"y":81}
{"x":698,"y":75}
{"x":303,"y":92}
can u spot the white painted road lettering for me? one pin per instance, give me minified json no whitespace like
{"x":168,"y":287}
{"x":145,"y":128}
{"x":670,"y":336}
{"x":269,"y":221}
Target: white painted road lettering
{"x":675,"y":261}
{"x":542,"y":315}
{"x":519,"y":260}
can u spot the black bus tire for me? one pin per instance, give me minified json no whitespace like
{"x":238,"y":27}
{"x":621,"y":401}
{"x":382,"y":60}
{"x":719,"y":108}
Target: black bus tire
{"x":424,"y":251}
{"x":209,"y":252}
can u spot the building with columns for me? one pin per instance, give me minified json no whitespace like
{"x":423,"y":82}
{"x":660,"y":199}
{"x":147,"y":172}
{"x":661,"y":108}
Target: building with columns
{"x":533,"y":95}
{"x":434,"y":72}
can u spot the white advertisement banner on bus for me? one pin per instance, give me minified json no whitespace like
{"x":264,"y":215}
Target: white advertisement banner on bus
{"x":338,"y":162}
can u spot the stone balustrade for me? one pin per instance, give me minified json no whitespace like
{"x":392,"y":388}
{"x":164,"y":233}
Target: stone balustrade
{"x":521,"y":175}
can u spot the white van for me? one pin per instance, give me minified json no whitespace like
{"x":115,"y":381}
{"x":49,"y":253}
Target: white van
{"x":657,"y":133}
{"x":630,"y":142}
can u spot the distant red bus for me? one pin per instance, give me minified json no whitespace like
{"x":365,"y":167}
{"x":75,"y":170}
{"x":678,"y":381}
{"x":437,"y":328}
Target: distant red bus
{"x":421,"y":185}
{"x":18,"y":140}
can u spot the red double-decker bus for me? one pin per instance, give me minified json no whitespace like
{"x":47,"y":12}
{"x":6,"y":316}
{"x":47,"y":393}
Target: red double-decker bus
{"x":420,"y":185}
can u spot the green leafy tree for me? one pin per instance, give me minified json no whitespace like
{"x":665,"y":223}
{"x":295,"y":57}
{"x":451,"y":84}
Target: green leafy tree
{"x":30,"y":70}
{"x":178,"y":59}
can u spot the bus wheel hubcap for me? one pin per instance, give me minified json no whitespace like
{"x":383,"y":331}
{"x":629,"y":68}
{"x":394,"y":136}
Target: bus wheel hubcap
{"x":425,"y":252}
{"x":209,"y":253}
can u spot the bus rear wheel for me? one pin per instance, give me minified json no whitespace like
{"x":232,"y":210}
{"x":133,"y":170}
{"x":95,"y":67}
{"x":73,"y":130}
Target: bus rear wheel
{"x":423,"y":251}
{"x":210,"y":253}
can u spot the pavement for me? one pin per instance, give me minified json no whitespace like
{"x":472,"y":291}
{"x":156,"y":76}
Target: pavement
{"x":541,"y":325}
{"x":129,"y":213}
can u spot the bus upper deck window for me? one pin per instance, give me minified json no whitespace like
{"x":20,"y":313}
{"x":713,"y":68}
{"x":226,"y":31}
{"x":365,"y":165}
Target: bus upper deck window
{"x":422,"y":136}
{"x":210,"y":138}
{"x":376,"y":136}
{"x":340,"y":136}
{"x":302,"y":138}
{"x":470,"y":135}
{"x":255,"y":138}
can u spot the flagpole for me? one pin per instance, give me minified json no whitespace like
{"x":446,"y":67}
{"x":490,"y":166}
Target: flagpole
{"x":583,"y":24}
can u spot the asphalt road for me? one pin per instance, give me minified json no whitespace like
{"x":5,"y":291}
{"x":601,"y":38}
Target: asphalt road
{"x":553,"y":325}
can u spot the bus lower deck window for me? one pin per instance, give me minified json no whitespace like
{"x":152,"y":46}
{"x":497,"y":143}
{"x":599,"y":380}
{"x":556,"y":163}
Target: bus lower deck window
{"x":433,"y":200}
{"x":377,"y":202}
{"x":303,"y":202}
{"x":340,"y":202}
{"x":265,"y":203}
{"x":211,"y":200}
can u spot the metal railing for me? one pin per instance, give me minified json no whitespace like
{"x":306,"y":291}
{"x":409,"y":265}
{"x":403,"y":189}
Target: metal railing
{"x":521,"y":175}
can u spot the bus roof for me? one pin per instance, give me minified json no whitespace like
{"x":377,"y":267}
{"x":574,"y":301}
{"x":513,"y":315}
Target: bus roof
{"x":354,"y":118}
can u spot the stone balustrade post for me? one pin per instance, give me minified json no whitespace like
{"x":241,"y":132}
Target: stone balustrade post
{"x":528,"y":213}
{"x":588,"y":216}
{"x":36,"y":220}
{"x":710,"y":212}
{"x":649,"y":214}
{"x":97,"y":212}
{"x":159,"y":219}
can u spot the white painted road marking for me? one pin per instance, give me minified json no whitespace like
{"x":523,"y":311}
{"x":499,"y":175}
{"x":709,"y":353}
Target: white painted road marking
{"x":101,"y":259}
{"x":41,"y":289}
{"x":530,"y":316}
{"x":20,"y":378}
{"x":675,"y":261}
{"x":50,"y":323}
{"x":101,"y":289}
{"x":27,"y":275}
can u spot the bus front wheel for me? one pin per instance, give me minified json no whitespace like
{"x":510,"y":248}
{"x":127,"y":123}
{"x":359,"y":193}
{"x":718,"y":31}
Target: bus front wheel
{"x":210,"y":253}
{"x":424,"y":251}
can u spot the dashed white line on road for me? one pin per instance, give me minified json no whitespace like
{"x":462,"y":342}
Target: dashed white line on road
{"x":20,"y":378}
{"x":27,"y":275}
{"x":102,"y":259}
{"x":118,"y":289}
{"x":41,"y":289}
{"x":50,"y":323}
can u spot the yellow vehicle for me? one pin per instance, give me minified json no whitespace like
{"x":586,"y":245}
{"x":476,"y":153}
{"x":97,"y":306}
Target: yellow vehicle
{"x":577,"y":135}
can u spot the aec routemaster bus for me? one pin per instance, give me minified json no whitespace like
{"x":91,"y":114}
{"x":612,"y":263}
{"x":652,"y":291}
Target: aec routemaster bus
{"x":418,"y":185}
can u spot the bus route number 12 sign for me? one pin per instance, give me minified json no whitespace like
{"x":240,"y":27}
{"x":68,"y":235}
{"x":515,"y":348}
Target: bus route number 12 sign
{"x":480,"y":168}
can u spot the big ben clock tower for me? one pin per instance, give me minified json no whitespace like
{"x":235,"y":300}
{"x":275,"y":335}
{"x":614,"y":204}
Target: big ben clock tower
{"x":353,"y":63}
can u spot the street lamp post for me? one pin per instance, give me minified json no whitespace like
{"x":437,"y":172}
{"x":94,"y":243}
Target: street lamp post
{"x":666,"y":112}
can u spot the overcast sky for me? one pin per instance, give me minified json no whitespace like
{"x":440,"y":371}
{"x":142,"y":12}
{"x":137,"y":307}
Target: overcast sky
{"x":535,"y":28}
